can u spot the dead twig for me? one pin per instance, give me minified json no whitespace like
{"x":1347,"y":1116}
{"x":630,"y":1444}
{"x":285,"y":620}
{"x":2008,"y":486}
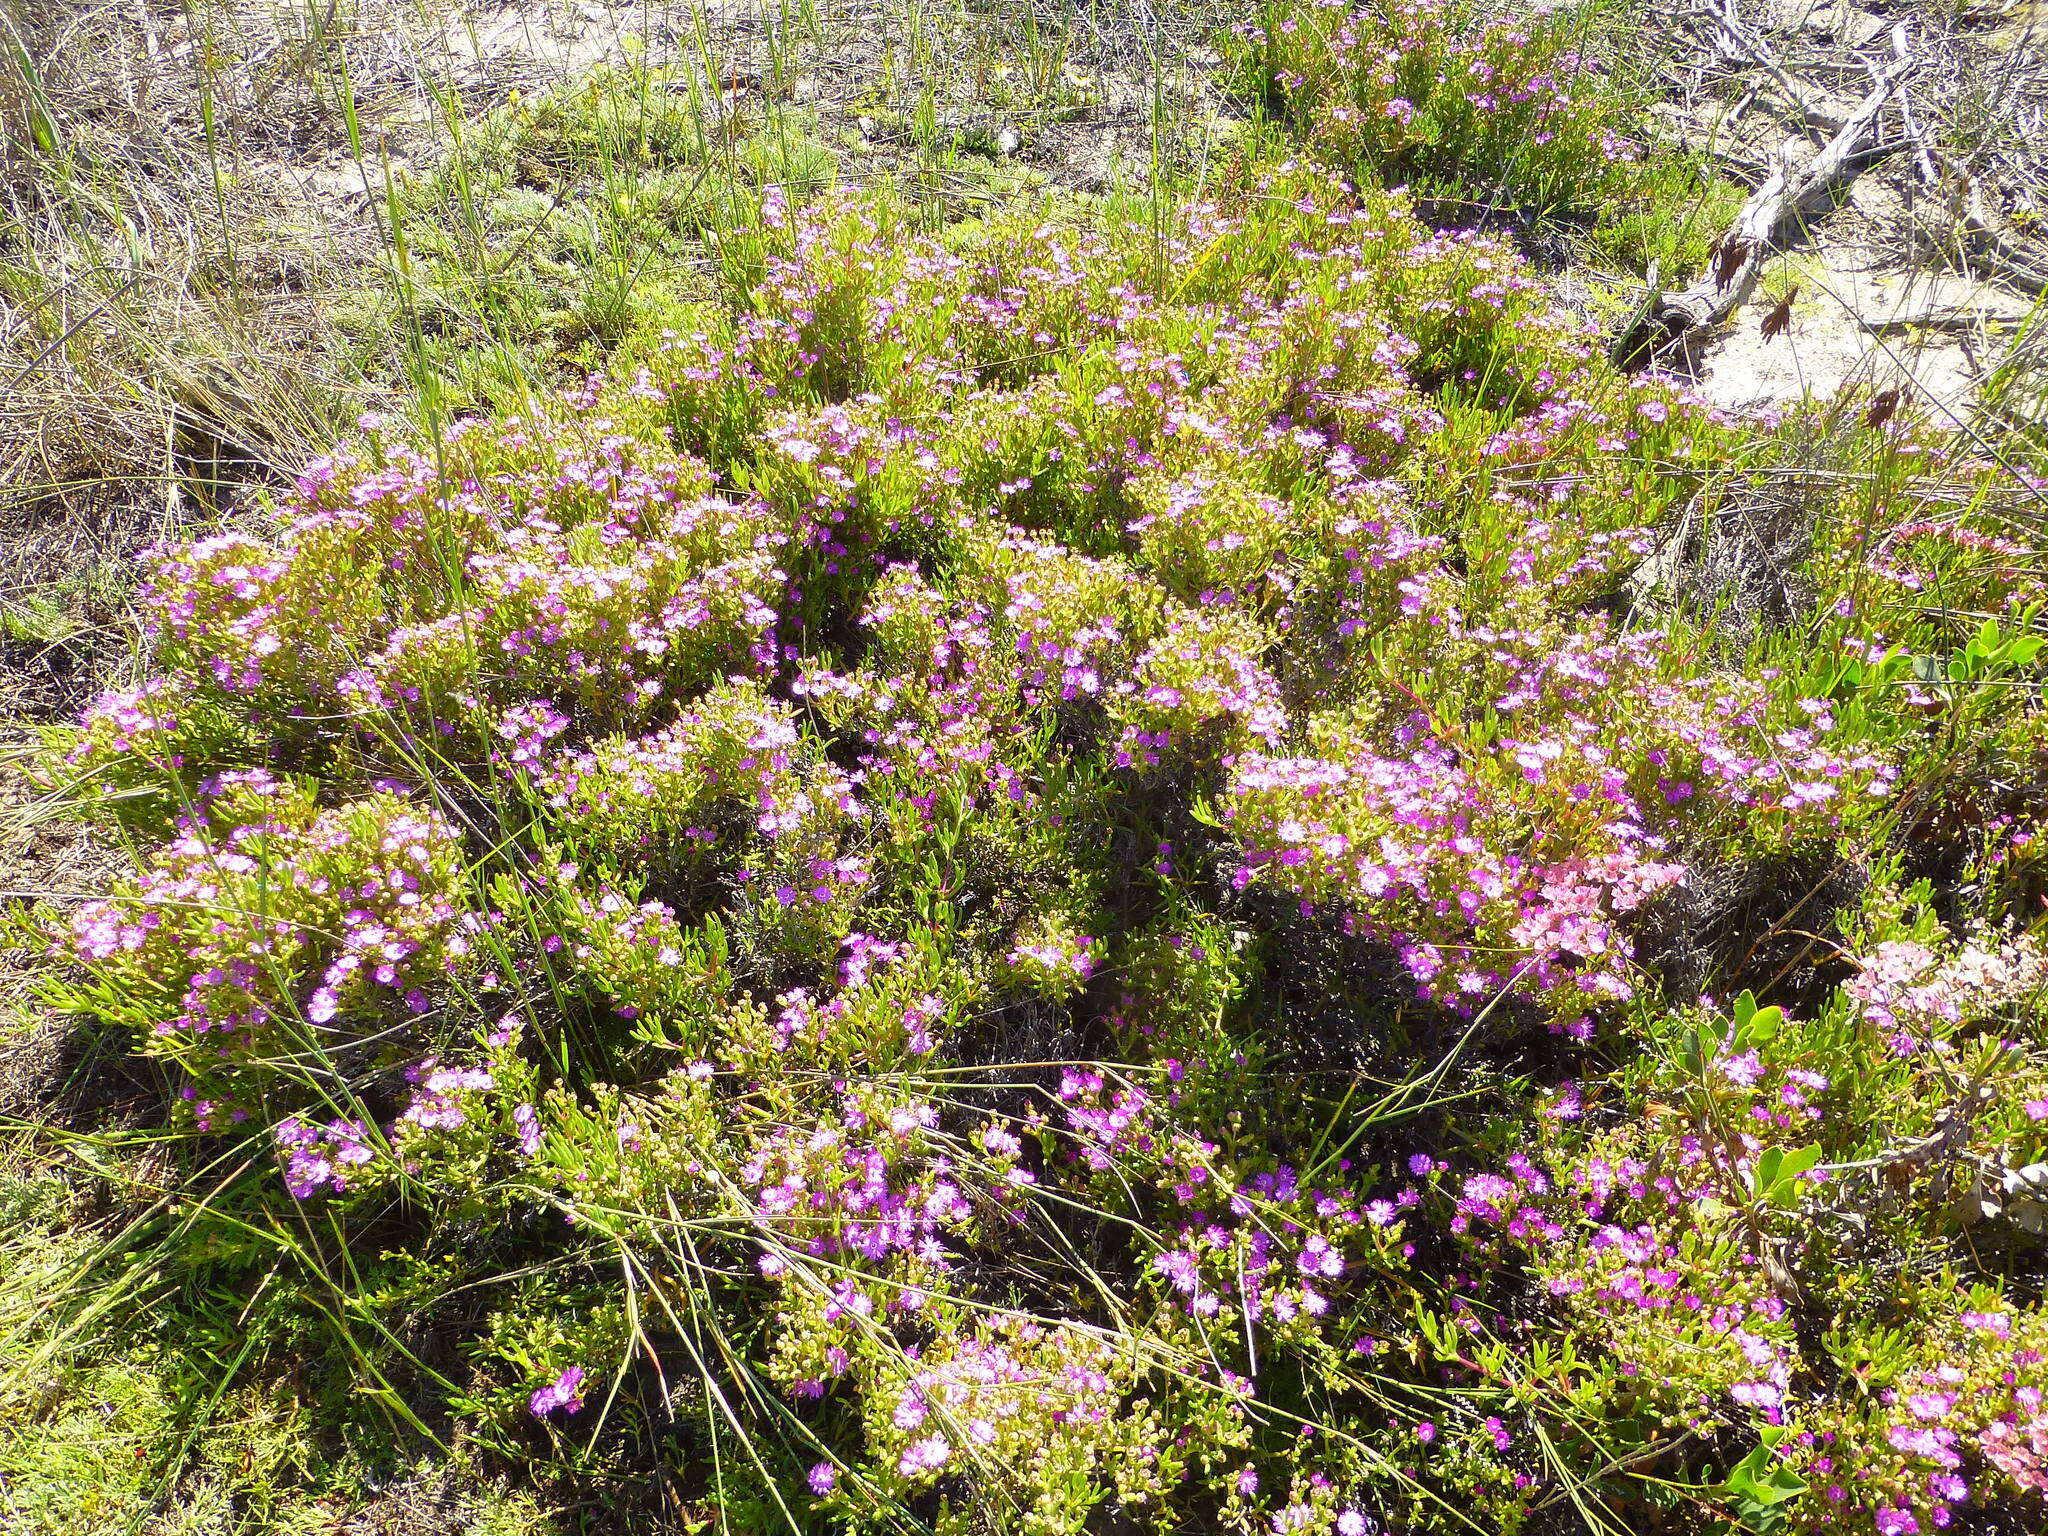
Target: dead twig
{"x":1734,"y":41}
{"x":1766,"y":221}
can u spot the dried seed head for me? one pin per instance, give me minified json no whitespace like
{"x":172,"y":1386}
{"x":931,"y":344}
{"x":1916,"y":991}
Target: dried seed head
{"x":1883,"y":408}
{"x":1729,"y":256}
{"x":1779,"y":320}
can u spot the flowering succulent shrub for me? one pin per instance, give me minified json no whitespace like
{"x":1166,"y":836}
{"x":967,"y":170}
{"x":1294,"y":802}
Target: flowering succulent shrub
{"x":1425,"y":88}
{"x":1031,"y":881}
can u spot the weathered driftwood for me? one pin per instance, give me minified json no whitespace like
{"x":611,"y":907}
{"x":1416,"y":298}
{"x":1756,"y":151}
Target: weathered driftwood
{"x":1771,"y":215}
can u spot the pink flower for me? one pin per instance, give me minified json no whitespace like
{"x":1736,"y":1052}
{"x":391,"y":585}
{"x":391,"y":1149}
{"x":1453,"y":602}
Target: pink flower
{"x":1744,"y":1071}
{"x":564,"y":1394}
{"x":2017,"y":1451}
{"x":924,"y":1456}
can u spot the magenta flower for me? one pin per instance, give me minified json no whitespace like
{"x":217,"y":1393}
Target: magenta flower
{"x":564,"y":1394}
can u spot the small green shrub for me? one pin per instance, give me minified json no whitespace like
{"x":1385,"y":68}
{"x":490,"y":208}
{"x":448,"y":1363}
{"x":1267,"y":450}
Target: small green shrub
{"x":1485,"y":111}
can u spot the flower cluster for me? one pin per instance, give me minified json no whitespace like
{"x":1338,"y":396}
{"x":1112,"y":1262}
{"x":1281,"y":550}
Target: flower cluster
{"x":268,"y":924}
{"x":1915,"y":997}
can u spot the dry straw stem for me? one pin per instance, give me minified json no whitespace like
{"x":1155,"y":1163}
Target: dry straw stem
{"x":1973,"y":118}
